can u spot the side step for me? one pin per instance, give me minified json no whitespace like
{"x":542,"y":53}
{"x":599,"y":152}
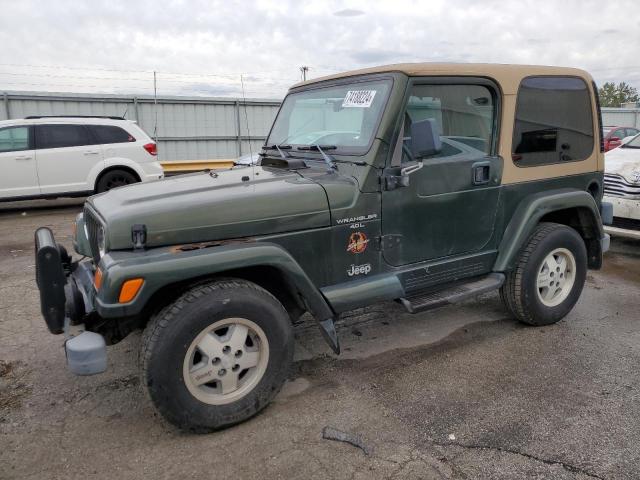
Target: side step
{"x":419,"y":302}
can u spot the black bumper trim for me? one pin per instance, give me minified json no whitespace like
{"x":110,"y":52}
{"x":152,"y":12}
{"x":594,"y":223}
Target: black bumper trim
{"x":51,"y":280}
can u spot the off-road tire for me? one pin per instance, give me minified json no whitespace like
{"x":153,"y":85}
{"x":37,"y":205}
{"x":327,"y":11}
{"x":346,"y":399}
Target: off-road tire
{"x":168,"y":335}
{"x":520,"y":291}
{"x":115,"y":178}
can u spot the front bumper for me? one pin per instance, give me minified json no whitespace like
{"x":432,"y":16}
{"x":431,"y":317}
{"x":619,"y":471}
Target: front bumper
{"x":625,"y":217}
{"x":65,"y":298}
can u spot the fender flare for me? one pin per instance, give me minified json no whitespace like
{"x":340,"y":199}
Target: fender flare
{"x":161,"y":267}
{"x":528,"y":214}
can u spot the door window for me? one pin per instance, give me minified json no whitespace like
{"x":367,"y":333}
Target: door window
{"x":60,"y":136}
{"x":631,"y":132}
{"x":554,"y":121}
{"x":464,"y":115}
{"x":14,"y":139}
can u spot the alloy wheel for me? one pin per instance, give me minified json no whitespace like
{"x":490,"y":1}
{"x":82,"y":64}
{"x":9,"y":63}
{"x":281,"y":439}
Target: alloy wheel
{"x":226,"y":361}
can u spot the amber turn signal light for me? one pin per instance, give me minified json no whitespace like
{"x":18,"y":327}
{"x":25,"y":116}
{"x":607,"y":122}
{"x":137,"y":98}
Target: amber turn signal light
{"x":97,"y":279}
{"x":130,"y":289}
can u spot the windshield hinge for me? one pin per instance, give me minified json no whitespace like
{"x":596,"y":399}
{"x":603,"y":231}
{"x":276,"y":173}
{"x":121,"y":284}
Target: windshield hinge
{"x":387,"y":242}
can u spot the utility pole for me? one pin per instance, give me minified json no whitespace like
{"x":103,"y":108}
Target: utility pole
{"x":155,"y":107}
{"x":303,"y":70}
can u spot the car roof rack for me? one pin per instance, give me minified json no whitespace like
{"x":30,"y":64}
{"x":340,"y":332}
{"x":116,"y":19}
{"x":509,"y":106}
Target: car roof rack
{"x":33,"y":117}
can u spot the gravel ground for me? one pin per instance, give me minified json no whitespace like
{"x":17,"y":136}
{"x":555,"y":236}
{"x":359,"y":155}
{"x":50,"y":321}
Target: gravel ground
{"x":461,"y":392}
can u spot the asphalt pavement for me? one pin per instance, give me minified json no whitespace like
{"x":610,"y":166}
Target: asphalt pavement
{"x":462,"y":392}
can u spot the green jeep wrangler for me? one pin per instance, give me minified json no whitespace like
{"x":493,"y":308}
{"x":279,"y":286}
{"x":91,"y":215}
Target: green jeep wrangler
{"x":421,"y":183}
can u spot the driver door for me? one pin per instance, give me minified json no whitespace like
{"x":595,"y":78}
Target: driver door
{"x":449,"y":206}
{"x":18,"y":162}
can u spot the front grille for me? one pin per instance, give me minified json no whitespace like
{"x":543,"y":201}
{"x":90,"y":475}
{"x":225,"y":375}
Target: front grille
{"x":618,"y":186}
{"x":93,"y":225}
{"x":626,"y":223}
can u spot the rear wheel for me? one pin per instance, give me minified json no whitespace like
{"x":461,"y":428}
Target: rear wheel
{"x":115,"y":178}
{"x":216,"y":356}
{"x":548,"y":277}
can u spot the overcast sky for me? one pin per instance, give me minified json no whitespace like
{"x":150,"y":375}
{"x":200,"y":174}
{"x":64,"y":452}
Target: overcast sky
{"x":202,"y":47}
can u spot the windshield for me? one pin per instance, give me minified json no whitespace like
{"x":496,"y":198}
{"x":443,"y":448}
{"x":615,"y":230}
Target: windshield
{"x":345,"y":116}
{"x":633,"y":143}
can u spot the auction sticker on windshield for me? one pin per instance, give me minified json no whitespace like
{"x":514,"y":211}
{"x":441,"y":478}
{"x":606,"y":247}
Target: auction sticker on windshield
{"x":358,"y":98}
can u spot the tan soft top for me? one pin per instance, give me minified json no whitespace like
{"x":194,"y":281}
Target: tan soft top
{"x":507,"y":76}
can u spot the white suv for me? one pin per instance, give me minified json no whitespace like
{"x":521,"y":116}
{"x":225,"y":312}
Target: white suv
{"x":73,"y":156}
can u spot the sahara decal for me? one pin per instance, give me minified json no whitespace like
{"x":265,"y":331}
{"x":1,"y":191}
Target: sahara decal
{"x":361,"y":218}
{"x":357,"y":242}
{"x":355,"y":270}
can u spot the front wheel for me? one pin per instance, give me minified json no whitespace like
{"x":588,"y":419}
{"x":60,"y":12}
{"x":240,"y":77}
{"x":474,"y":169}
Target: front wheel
{"x":548,"y":277}
{"x":216,"y":356}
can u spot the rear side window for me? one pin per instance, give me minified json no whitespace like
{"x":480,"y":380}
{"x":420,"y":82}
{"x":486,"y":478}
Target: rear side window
{"x":60,"y":136}
{"x":554,"y":122}
{"x":111,"y":134}
{"x":14,"y":139}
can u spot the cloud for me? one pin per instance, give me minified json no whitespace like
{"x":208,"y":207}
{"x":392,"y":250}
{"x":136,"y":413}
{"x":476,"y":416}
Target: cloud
{"x":378,"y":56}
{"x":348,"y":12}
{"x":115,"y":45}
{"x":209,"y":89}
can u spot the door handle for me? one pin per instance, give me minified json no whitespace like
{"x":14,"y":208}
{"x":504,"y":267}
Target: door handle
{"x":24,"y":157}
{"x":91,"y":152}
{"x":481,"y":173}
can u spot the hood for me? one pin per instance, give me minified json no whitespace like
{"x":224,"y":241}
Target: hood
{"x":204,"y":207}
{"x":624,"y":162}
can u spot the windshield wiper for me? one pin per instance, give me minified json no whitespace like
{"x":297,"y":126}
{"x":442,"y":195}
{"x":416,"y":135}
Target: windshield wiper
{"x":329,"y":159}
{"x":278,"y":147}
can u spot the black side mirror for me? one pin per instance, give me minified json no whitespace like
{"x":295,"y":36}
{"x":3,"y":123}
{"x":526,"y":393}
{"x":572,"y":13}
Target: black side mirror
{"x":425,"y":139}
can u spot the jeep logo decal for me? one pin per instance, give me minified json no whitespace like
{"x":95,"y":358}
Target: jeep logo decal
{"x":359,"y":270}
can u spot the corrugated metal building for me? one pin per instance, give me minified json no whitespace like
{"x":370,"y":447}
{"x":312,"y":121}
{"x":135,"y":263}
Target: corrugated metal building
{"x":621,"y":117}
{"x":188,"y":128}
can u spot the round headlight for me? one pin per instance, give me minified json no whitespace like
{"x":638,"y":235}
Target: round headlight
{"x":101,"y":241}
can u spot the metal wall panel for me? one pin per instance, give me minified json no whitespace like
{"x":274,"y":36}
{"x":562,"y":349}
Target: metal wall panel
{"x":621,"y":117}
{"x":187,"y":128}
